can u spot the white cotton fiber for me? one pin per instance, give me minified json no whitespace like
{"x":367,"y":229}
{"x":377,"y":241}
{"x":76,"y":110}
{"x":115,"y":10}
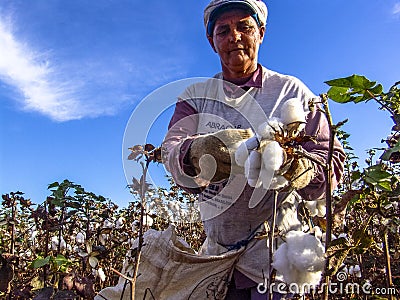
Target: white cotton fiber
{"x":278,"y":182}
{"x":292,"y":111}
{"x":252,"y":167}
{"x":321,"y":208}
{"x":300,"y":260}
{"x":268,"y":129}
{"x":312,"y":207}
{"x":241,"y":154}
{"x":273,"y":156}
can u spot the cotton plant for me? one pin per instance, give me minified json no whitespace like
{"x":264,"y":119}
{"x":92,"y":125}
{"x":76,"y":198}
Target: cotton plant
{"x":262,"y":155}
{"x":300,"y":260}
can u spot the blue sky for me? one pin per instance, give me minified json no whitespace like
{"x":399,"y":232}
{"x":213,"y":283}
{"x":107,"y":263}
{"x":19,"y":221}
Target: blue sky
{"x":73,"y":72}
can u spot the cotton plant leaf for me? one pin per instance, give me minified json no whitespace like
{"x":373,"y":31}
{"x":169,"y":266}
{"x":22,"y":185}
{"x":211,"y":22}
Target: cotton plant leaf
{"x":354,"y":88}
{"x":388,"y":153}
{"x":378,"y":177}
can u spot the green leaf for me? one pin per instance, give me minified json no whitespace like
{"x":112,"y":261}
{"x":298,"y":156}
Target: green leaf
{"x":376,"y":176}
{"x":60,"y":260}
{"x":339,"y":94}
{"x":388,"y":153}
{"x":354,"y":88}
{"x":362,"y":241}
{"x":352,"y":82}
{"x":53,"y":185}
{"x":40,"y":262}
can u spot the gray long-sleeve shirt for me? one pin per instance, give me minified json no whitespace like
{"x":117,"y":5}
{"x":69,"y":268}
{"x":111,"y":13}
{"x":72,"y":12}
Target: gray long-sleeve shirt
{"x":214,"y":105}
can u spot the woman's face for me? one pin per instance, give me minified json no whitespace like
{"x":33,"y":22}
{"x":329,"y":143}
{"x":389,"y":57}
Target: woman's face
{"x":237,"y":38}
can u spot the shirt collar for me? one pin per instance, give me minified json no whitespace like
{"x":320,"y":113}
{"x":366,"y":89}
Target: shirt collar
{"x":255,"y":80}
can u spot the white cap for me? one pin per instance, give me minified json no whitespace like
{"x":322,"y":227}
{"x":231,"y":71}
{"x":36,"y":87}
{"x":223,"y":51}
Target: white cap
{"x":258,"y":7}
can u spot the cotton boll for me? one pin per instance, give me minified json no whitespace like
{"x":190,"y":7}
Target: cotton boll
{"x":312,"y":207}
{"x":107,"y":224}
{"x":278,"y":182}
{"x":241,"y":154}
{"x":351,"y":270}
{"x":300,"y":259}
{"x":317,"y":232}
{"x":120,"y":222}
{"x":273,"y":156}
{"x":293,"y":111}
{"x":357,"y":271}
{"x":80,"y":238}
{"x":252,"y":167}
{"x":321,"y":208}
{"x":148,"y":221}
{"x":101,"y":274}
{"x":280,"y":259}
{"x":268,"y":129}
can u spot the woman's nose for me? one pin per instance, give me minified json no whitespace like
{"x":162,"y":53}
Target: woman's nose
{"x":235,"y":35}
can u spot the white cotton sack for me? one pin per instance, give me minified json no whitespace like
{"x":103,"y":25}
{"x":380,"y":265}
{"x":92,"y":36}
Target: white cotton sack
{"x":300,"y":260}
{"x":292,"y":110}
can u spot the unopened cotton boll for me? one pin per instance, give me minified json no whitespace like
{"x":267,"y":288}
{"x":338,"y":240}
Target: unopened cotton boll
{"x":292,"y":110}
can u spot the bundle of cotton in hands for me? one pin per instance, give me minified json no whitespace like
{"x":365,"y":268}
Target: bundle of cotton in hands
{"x":300,"y":260}
{"x":262,"y":155}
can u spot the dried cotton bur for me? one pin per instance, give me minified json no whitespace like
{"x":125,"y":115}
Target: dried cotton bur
{"x":264,"y":154}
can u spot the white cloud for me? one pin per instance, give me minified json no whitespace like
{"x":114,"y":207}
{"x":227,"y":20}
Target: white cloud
{"x":32,"y":76}
{"x":81,"y":80}
{"x":396,"y":9}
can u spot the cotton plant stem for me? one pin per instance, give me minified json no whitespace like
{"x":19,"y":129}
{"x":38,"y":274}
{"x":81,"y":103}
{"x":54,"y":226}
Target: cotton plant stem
{"x":328,"y":187}
{"x":389,"y":282}
{"x":271,"y":239}
{"x":139,"y":249}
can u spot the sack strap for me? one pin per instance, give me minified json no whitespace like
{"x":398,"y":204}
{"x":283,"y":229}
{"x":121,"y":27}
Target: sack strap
{"x":245,"y":242}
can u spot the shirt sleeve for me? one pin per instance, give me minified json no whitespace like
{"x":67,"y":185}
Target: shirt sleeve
{"x":176,"y":145}
{"x":317,"y":126}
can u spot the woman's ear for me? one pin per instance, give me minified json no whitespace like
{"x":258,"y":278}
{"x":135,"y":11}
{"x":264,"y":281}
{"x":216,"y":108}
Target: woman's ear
{"x":262,"y":33}
{"x":211,"y":41}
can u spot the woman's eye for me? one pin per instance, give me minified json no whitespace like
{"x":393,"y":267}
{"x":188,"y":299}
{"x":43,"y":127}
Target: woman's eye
{"x":245,"y":28}
{"x":222,"y":32}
